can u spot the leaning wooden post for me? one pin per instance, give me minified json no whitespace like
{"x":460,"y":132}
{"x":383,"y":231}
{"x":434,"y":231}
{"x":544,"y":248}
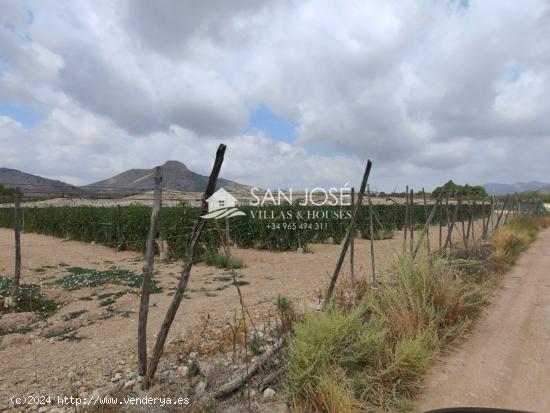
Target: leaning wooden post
{"x":448,"y":241}
{"x":186,"y":271}
{"x":352,"y":243}
{"x":502,"y":211}
{"x":350,"y":232}
{"x":17,"y":229}
{"x":426,"y":226}
{"x":411,"y":221}
{"x":371,"y":229}
{"x":148,"y":274}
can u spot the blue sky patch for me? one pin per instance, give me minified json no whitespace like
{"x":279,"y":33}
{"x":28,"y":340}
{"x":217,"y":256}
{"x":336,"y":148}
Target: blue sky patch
{"x":24,"y":115}
{"x":262,"y":118}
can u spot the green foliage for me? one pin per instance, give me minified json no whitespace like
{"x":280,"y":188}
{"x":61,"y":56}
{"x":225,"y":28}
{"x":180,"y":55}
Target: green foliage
{"x":126,"y":227}
{"x":30,"y":298}
{"x":223,"y":261}
{"x":379,"y":234}
{"x":255,"y":343}
{"x":7,"y":195}
{"x":456,"y":191}
{"x":83,"y":277}
{"x":15,"y":330}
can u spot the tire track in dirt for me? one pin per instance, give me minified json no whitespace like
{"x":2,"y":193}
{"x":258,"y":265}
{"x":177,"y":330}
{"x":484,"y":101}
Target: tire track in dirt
{"x":503,"y":362}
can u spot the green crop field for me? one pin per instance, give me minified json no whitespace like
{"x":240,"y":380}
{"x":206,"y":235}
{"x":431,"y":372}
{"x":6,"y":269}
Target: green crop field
{"x":277,"y":228}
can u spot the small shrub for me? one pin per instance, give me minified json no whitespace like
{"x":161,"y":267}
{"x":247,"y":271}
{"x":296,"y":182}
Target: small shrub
{"x":30,"y":298}
{"x":15,"y":330}
{"x":255,"y":343}
{"x":223,"y":261}
{"x":285,"y":312}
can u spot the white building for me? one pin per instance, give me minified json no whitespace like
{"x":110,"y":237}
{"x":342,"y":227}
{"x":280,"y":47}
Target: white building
{"x":221,"y":199}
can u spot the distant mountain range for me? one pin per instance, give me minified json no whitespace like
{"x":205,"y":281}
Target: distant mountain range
{"x":175,"y":176}
{"x":34,"y":185}
{"x":519,"y":187}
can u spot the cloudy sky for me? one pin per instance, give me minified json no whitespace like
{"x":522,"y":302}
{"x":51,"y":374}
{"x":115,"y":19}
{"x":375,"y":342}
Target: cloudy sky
{"x":302,"y":92}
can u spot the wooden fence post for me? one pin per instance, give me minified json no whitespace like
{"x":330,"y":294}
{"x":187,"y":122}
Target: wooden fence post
{"x":351,"y":229}
{"x":467,"y":235}
{"x":448,"y":241}
{"x":502,"y":211}
{"x":406,"y":223}
{"x":428,"y":228}
{"x":490,"y":219}
{"x":411,"y":221}
{"x":448,"y":215}
{"x":186,"y":271}
{"x":371,"y":230}
{"x":148,"y":273}
{"x":17,"y":230}
{"x":352,"y":243}
{"x":483,"y":218}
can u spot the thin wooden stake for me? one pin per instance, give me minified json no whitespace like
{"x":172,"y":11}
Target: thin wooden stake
{"x":17,"y":229}
{"x":426,"y":226}
{"x":490,"y":219}
{"x":472,"y":223}
{"x":411,"y":221}
{"x":186,"y":271}
{"x":467,"y":235}
{"x":406,"y":224}
{"x":502,"y":211}
{"x":371,"y":229}
{"x":448,"y":215}
{"x":352,"y":243}
{"x":483,"y":229}
{"x":452,"y":224}
{"x":350,"y":232}
{"x":440,"y":212}
{"x":148,"y":268}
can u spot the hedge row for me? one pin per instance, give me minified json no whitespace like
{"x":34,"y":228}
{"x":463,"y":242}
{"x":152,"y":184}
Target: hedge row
{"x":126,"y":227}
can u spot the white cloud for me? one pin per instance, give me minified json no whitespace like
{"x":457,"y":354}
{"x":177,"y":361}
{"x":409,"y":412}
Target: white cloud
{"x":429,"y":90}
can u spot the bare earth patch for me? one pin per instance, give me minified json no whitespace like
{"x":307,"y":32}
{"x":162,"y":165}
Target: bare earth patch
{"x":90,"y":340}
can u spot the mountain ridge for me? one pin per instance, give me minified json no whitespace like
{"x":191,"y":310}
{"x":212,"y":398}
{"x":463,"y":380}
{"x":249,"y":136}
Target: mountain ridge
{"x":176,"y":176}
{"x":519,"y":187}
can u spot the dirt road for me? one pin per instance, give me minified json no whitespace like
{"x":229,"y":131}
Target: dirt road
{"x":504,"y":362}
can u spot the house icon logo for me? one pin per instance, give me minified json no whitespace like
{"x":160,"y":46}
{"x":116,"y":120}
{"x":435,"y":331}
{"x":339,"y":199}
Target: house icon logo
{"x":222,"y":205}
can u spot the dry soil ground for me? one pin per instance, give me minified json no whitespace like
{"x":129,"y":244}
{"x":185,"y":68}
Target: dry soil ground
{"x":504,"y":362}
{"x":35,"y":364}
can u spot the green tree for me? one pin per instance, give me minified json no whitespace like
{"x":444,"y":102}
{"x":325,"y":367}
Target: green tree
{"x":455,"y":190}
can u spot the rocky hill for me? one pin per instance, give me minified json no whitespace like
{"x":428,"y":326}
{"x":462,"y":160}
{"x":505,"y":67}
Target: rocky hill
{"x":175,"y":176}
